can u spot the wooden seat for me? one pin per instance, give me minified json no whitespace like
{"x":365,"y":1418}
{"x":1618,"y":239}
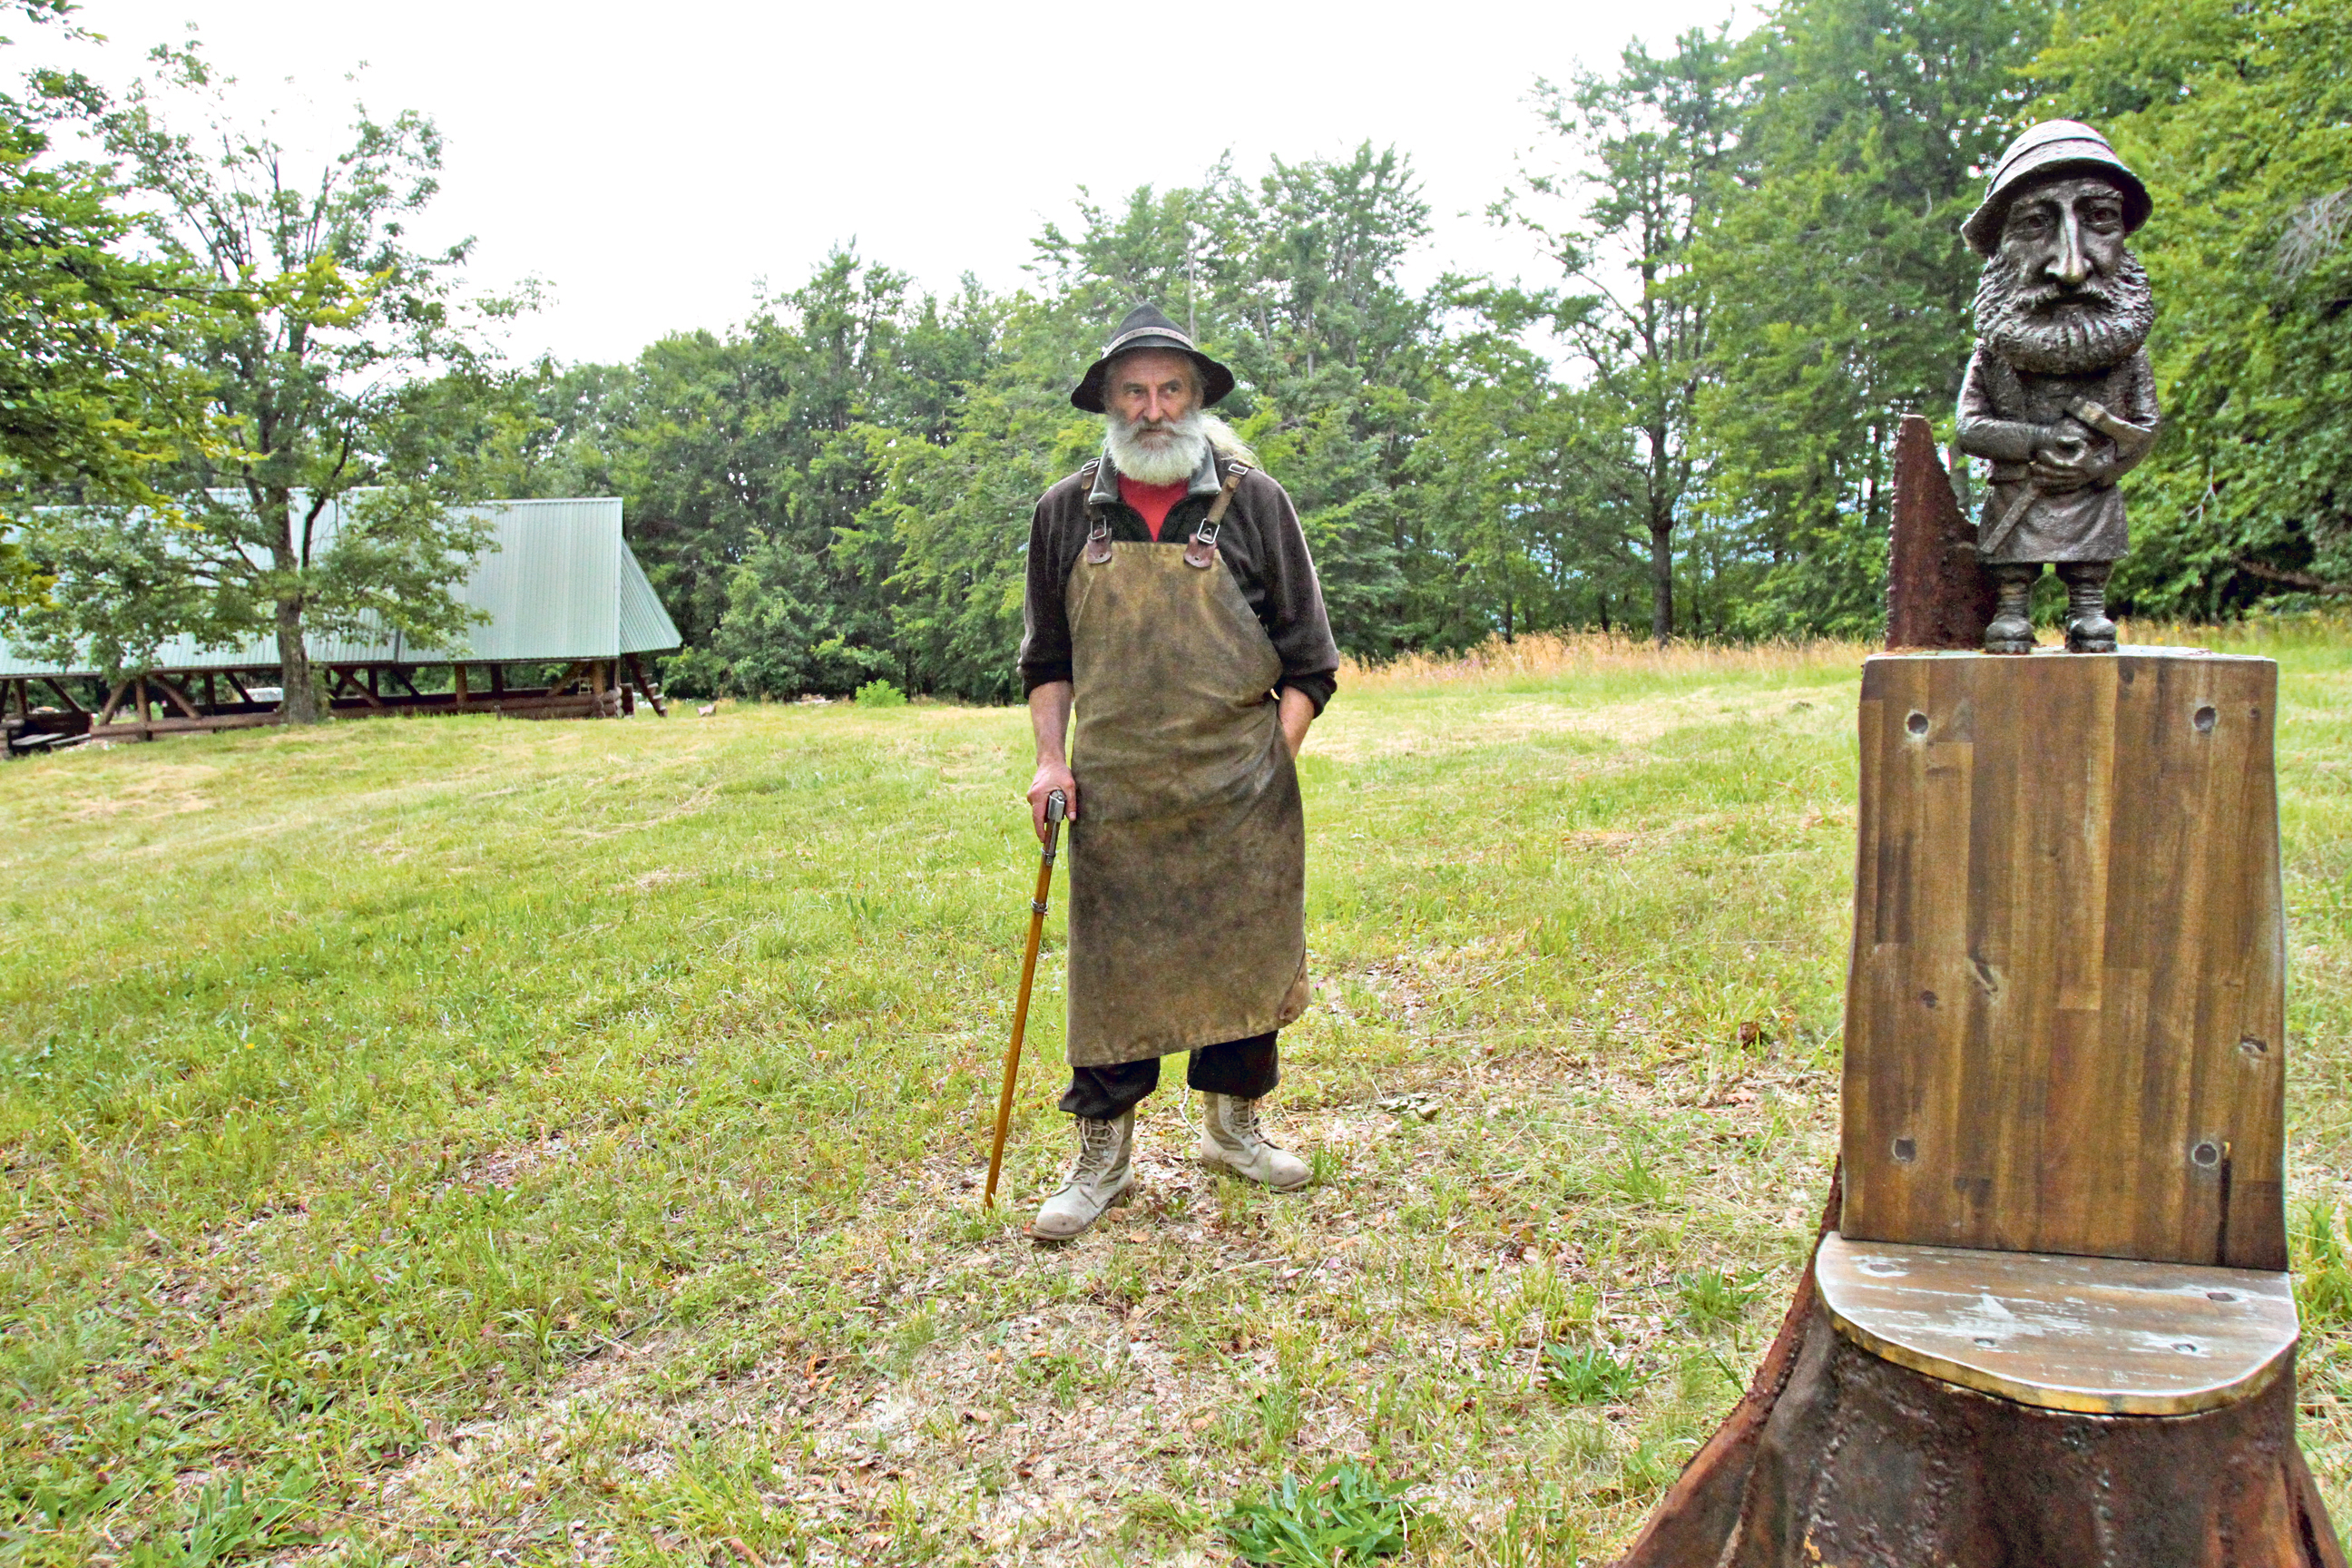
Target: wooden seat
{"x":2105,"y":1336}
{"x":2064,"y":1106}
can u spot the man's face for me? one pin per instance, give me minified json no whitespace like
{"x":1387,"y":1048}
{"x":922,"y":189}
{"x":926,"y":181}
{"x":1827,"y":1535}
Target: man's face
{"x":2061,"y":237}
{"x":1150,"y":390}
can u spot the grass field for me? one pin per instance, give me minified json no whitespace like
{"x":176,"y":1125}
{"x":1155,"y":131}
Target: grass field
{"x":459,"y":1141}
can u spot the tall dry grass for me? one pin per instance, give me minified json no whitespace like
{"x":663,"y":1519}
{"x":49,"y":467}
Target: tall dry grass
{"x":1551,"y":656}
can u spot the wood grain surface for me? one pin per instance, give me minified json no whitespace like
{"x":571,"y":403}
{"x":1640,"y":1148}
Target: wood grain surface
{"x":2105,"y":1336}
{"x":2066,"y":1007}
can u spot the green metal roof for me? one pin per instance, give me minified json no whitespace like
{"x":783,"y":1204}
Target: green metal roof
{"x":557,"y":582}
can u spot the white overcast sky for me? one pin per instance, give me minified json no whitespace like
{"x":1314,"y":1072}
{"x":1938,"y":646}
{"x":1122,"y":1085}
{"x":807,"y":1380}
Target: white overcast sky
{"x":652,"y":163}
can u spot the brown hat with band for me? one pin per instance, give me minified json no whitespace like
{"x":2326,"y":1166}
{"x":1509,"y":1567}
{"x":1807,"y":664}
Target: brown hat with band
{"x":2049,"y":151}
{"x":1147,"y":328}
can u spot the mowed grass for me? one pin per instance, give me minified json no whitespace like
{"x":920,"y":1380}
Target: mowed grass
{"x":461,"y":1140}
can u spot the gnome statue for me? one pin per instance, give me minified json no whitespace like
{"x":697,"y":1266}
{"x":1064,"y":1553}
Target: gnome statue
{"x":2058,"y":394}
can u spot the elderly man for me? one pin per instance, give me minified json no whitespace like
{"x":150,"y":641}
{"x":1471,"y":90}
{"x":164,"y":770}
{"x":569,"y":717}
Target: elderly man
{"x":2058,"y":394}
{"x":1172,"y":605}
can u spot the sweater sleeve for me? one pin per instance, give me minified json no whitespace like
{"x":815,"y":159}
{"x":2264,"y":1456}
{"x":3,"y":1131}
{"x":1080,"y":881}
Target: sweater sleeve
{"x":1295,"y":617}
{"x":1045,"y":613}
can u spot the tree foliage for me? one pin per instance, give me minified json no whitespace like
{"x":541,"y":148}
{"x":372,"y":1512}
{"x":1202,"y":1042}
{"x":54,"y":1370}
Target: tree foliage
{"x":2240,"y":117}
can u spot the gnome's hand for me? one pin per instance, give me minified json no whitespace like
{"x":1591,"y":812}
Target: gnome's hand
{"x":2071,"y":459}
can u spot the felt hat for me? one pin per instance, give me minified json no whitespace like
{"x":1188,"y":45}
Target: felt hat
{"x":1147,"y":328}
{"x":2052,"y":150}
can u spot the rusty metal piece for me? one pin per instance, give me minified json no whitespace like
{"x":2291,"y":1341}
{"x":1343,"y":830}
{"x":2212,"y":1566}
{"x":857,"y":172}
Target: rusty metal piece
{"x":1938,"y":595}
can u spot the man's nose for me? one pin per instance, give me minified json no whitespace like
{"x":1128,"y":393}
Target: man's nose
{"x":1155,"y":407}
{"x":2070,"y":265}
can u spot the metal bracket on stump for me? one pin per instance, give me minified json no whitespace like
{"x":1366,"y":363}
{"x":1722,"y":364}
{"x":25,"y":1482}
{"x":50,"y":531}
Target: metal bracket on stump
{"x":2048,"y":1320}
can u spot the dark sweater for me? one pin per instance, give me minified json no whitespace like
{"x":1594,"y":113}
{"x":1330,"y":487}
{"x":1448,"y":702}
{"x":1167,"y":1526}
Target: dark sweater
{"x":1261,"y":544}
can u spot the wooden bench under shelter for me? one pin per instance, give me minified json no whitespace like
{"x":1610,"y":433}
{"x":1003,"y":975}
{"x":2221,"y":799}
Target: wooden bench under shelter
{"x":2048,"y":1321}
{"x":569,"y":617}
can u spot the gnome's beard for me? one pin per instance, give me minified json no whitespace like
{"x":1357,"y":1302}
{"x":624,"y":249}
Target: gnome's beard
{"x":2039,"y":327}
{"x":1161,"y":453}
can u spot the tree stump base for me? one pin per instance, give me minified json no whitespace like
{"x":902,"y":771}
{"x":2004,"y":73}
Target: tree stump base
{"x":1837,"y":1458}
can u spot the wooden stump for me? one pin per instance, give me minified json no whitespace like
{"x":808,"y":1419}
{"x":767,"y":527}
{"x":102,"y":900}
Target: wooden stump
{"x":1837,"y":1458}
{"x":2061,"y":1170}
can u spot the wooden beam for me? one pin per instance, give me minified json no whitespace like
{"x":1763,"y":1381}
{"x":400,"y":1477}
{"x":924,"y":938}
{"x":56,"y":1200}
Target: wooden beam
{"x":498,"y":681}
{"x":236,"y":685}
{"x":174,"y":696}
{"x":113,"y":701}
{"x":63,"y":695}
{"x":638,"y":670}
{"x":457,"y":682}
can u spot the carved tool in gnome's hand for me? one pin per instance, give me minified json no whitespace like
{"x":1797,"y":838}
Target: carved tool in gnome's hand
{"x":2132,"y":442}
{"x":1057,"y":807}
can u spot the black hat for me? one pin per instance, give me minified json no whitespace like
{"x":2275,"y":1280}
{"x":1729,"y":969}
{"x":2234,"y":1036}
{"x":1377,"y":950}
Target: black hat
{"x":1147,"y":328}
{"x":2046,"y":152}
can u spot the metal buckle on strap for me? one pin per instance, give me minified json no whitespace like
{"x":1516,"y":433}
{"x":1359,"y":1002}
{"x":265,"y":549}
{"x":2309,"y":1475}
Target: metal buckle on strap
{"x":1098,"y":543}
{"x":1202,"y":548}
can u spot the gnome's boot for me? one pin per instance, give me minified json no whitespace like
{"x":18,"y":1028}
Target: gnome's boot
{"x":1099,"y":1178}
{"x":2011,"y":629}
{"x":1231,"y":1141}
{"x":2088,"y":629}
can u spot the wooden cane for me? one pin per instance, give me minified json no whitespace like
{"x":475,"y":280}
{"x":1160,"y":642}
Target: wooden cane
{"x":1057,"y":806}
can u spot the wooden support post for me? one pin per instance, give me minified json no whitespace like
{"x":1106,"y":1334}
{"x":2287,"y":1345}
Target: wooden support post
{"x":637,"y":671}
{"x":236,"y":686}
{"x":498,"y":681}
{"x":2047,"y":1318}
{"x":457,"y":686}
{"x":173,"y":696}
{"x":65,"y":697}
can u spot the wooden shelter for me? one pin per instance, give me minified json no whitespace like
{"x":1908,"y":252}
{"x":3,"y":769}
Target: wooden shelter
{"x":568,"y":616}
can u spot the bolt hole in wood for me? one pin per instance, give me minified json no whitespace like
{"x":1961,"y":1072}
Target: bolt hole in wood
{"x":2203,"y":719}
{"x":2207,"y":1155}
{"x":1906,"y":1151}
{"x":2252,"y":1046}
{"x":1917,"y":723}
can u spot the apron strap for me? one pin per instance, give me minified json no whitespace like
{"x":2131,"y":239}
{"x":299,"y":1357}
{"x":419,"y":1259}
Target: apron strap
{"x":1203,"y":548}
{"x":1097,"y":525}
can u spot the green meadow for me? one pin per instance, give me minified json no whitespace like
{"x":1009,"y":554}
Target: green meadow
{"x":464,"y":1140}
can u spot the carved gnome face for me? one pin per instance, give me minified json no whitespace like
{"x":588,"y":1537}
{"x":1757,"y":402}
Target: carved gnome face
{"x":2061,"y":295}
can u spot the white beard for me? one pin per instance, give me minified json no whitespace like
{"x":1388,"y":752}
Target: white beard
{"x":1162,"y":456}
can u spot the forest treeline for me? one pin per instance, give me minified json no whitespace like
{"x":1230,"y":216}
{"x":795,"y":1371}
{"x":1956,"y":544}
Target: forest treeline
{"x":1681,"y":425}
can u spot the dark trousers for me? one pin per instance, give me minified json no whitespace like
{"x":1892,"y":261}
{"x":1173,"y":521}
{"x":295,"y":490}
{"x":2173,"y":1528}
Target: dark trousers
{"x":1243,"y":1068}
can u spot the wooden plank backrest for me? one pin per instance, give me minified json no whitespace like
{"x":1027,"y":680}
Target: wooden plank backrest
{"x":2065,"y":1010}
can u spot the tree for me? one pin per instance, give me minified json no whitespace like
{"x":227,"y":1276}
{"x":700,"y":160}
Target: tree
{"x":2239,"y":115}
{"x":1842,"y":288}
{"x":1660,"y":136}
{"x":336,"y":365}
{"x":92,"y":402}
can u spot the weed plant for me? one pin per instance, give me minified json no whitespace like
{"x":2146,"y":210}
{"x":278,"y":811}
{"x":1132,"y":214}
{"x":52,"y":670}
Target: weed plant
{"x":1344,"y":1517}
{"x":466,"y":1141}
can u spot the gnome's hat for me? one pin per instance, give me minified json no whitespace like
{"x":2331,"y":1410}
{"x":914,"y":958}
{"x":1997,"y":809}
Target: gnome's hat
{"x":2052,"y":150}
{"x":1147,"y":328}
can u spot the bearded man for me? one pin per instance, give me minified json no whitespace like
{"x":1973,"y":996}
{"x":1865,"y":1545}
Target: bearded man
{"x":2058,"y":394}
{"x":1173,"y":604}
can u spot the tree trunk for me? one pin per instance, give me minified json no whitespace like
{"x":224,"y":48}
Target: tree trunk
{"x":1835,"y":1456}
{"x":1662,"y":583}
{"x":298,"y":699}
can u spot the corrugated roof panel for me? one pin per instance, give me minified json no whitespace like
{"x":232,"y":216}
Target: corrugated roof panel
{"x":646,"y":626}
{"x":558,"y":581}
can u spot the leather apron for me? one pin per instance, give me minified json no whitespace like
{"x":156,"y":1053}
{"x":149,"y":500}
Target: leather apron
{"x":1188,"y":859}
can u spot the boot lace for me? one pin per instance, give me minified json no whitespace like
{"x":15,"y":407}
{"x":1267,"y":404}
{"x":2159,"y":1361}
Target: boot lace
{"x":1241,"y":1120}
{"x":1097,"y":1141}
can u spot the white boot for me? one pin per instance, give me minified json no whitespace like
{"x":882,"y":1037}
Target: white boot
{"x":1098,"y":1180}
{"x":1232,"y":1141}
